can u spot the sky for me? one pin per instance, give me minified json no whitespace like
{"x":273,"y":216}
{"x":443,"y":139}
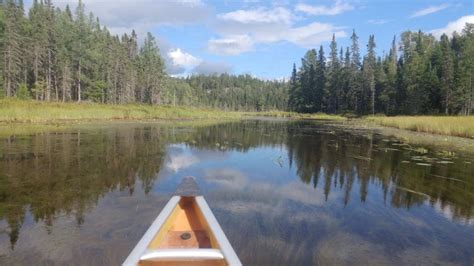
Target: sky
{"x":265,"y":38}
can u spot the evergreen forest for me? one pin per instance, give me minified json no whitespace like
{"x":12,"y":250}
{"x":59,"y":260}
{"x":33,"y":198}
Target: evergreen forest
{"x":49,"y":54}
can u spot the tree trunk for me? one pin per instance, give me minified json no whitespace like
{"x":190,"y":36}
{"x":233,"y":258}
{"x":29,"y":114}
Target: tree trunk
{"x":79,"y":77}
{"x":446,"y":111}
{"x":373,"y":101}
{"x":469,"y":106}
{"x":8,"y":73}
{"x":79,"y":83}
{"x":35,"y":71}
{"x":48,"y":78}
{"x":56,"y":88}
{"x":63,"y":84}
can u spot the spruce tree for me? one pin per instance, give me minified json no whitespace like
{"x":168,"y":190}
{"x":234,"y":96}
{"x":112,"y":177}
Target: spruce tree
{"x":355,"y":84}
{"x":447,"y":74}
{"x":320,"y":83}
{"x":334,"y":87}
{"x":467,"y":69}
{"x":369,"y":74}
{"x":293,"y":90}
{"x":2,"y":38}
{"x":12,"y":47}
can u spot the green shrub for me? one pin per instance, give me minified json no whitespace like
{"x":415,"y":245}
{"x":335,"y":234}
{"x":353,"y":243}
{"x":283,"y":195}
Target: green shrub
{"x":23,"y":93}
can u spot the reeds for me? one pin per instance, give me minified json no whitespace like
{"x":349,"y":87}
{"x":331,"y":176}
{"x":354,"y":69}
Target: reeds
{"x":460,"y":126}
{"x":22,"y":111}
{"x":12,"y":110}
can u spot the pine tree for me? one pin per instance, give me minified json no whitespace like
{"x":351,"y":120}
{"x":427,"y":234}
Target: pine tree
{"x":12,"y":51}
{"x":467,"y":69}
{"x":51,"y":50}
{"x":80,"y":46}
{"x":307,"y":78}
{"x":39,"y":43}
{"x":64,"y":29}
{"x":447,"y":74}
{"x":293,"y":90}
{"x":320,"y":83}
{"x":2,"y":38}
{"x":334,"y":86}
{"x":388,"y":93}
{"x":369,"y":73}
{"x":152,"y":70}
{"x":355,"y":84}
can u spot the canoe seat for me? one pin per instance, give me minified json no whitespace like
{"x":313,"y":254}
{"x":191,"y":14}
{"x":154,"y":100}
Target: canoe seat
{"x":182,"y":254}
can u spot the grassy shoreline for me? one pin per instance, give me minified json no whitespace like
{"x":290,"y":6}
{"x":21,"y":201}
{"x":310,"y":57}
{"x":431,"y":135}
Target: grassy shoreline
{"x":18,"y":111}
{"x":21,"y":111}
{"x":458,"y":126}
{"x":13,"y":111}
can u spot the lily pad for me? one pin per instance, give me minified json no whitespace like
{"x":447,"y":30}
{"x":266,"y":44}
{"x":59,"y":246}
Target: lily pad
{"x":423,"y":164}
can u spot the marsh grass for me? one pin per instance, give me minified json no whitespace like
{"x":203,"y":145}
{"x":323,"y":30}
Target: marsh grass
{"x":20,"y":111}
{"x":283,"y":114}
{"x":460,"y":126}
{"x":24,"y":111}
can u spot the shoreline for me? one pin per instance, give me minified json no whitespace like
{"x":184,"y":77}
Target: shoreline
{"x":425,"y":139}
{"x":15,"y":112}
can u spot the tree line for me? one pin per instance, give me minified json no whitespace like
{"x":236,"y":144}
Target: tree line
{"x":231,"y":92}
{"x":430,"y":76}
{"x":60,"y":55}
{"x":51,"y":54}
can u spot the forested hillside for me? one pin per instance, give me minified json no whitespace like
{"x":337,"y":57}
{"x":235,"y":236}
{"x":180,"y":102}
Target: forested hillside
{"x":419,"y":75}
{"x":50,"y":54}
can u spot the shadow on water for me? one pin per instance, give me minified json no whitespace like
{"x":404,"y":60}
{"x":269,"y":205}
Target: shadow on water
{"x":285,"y":193}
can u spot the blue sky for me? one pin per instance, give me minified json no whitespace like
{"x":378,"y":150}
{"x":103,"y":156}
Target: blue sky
{"x":264,"y":38}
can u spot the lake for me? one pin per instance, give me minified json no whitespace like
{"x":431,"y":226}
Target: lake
{"x":284,"y":192}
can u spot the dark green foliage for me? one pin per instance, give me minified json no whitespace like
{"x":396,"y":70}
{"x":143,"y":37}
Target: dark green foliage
{"x":293,"y":92}
{"x":66,"y":55}
{"x":430,"y":77}
{"x":23,"y":93}
{"x":229,"y":92}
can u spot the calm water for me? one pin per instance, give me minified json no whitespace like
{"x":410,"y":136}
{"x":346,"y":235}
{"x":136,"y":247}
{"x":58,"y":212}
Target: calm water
{"x":285,"y":193}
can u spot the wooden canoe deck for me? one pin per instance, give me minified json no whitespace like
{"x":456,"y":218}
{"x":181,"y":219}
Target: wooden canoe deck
{"x":199,"y":239}
{"x":184,"y":233}
{"x":184,"y":219}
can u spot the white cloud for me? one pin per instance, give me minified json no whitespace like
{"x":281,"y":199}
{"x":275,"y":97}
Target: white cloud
{"x":259,"y":15}
{"x":209,"y":68}
{"x":429,"y":10}
{"x":338,"y":8}
{"x":379,"y":21}
{"x":165,"y":48}
{"x":231,"y":45}
{"x":142,"y":15}
{"x":457,"y":25}
{"x":241,"y":30}
{"x":183,"y":59}
{"x":180,"y":63}
{"x":261,"y":24}
{"x":313,"y":33}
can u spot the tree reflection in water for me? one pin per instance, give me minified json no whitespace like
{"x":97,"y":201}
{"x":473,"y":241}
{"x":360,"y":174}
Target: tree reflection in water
{"x":66,"y":173}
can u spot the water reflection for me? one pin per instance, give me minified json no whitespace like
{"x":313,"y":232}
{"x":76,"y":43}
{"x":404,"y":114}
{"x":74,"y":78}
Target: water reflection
{"x":296,"y":189}
{"x":336,"y":161}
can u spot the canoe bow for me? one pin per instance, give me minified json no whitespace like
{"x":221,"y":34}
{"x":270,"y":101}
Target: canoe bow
{"x":185,"y":232}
